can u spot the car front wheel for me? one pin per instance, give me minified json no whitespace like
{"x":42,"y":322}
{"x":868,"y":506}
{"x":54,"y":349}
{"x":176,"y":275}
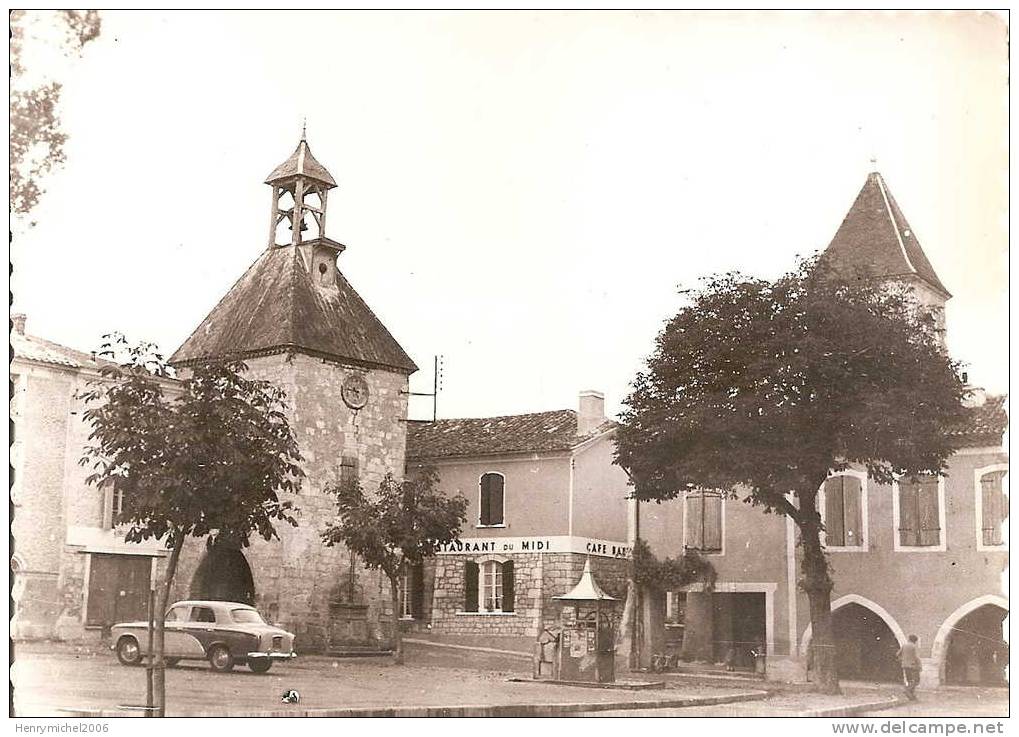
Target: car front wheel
{"x":128,"y":652}
{"x":260,"y":665}
{"x":220,"y":659}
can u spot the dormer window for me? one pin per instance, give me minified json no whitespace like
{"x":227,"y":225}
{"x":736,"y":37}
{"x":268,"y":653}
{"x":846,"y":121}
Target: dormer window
{"x":492,"y":500}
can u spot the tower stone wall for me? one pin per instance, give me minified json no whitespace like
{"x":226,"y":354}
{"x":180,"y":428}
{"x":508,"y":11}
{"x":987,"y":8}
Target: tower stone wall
{"x":299,"y":582}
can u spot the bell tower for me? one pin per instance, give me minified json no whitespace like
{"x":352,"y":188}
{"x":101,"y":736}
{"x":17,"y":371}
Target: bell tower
{"x":300,"y":190}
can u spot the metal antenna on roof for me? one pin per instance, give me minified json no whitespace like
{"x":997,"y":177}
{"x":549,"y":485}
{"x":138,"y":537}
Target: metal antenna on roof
{"x":436,"y":387}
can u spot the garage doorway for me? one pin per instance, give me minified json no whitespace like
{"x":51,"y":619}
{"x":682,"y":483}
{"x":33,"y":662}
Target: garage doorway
{"x":118,"y":589}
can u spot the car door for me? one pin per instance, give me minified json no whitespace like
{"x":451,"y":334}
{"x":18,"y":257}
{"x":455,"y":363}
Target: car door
{"x":201,"y":627}
{"x":180,"y":641}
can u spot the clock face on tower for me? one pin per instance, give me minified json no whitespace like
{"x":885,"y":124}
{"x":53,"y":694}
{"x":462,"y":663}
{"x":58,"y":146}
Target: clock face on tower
{"x":355,"y":391}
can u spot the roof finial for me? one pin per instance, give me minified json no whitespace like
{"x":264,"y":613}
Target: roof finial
{"x":304,"y":129}
{"x":873,"y":162}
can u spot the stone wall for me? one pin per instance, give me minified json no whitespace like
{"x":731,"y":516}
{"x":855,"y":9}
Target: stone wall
{"x":537,"y":578}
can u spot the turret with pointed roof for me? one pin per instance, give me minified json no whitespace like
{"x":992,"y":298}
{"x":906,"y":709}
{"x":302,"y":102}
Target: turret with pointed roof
{"x":293,"y":298}
{"x":876,"y":242}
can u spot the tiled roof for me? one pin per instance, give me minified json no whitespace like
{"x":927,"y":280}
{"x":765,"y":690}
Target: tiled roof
{"x":482,"y":436}
{"x":276,"y":306}
{"x":301,"y":163}
{"x":875,"y":240}
{"x":31,"y":348}
{"x":984,"y":424}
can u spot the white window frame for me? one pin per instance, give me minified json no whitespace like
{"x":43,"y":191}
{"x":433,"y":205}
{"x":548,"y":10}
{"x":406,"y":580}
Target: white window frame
{"x":503,"y":523}
{"x":977,"y":474}
{"x":942,"y":545}
{"x":483,"y":588}
{"x":822,"y":507}
{"x":686,"y":521}
{"x":482,"y":612}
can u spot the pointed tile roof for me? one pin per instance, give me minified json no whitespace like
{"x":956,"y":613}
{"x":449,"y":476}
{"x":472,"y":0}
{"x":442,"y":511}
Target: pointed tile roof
{"x":875,"y":240}
{"x":276,"y":306}
{"x":301,"y":163}
{"x":587,"y":589}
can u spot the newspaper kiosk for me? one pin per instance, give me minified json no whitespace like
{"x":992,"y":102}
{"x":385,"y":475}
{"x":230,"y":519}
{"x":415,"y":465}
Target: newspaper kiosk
{"x":587,"y":644}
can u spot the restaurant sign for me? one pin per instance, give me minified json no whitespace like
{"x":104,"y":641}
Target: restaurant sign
{"x":550,"y":544}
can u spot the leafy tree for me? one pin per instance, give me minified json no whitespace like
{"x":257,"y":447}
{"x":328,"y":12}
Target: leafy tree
{"x":37,"y":138}
{"x":211,"y":461}
{"x":763,"y":388}
{"x":399,"y":525}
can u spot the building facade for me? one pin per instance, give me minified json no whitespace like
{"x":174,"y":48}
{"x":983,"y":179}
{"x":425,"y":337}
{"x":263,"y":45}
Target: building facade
{"x":543,"y":496}
{"x":925,"y":557}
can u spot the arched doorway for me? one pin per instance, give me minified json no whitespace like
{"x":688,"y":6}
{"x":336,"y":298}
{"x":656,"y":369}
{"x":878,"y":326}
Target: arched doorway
{"x":865,"y":646}
{"x":223,"y":575}
{"x":976,"y":652}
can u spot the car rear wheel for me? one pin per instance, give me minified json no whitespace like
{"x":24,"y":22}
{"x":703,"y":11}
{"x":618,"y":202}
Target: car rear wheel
{"x":128,"y":652}
{"x":220,"y":659}
{"x":260,"y":665}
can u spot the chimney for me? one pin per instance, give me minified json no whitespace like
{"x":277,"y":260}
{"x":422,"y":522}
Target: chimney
{"x":591,"y":412}
{"x":18,"y":319}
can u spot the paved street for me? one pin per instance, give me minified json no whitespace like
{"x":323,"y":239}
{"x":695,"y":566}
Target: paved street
{"x":48,"y":678}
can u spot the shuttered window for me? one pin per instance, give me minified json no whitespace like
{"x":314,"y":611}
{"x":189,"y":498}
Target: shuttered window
{"x":919,"y":512}
{"x":112,"y":504}
{"x":993,"y":507}
{"x":843,"y":511}
{"x":704,"y":520}
{"x":492,"y":488}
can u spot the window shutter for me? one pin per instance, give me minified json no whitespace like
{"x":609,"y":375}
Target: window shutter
{"x":695,"y":521}
{"x":834,"y":512}
{"x":991,"y":503}
{"x":712,"y":522}
{"x":927,"y":503}
{"x":486,"y":499}
{"x":852,"y":506}
{"x":470,"y":586}
{"x":495,"y":506}
{"x":507,"y":586}
{"x":417,"y":591}
{"x":908,"y":513}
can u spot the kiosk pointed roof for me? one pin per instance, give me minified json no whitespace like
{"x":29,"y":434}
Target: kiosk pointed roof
{"x":587,"y":589}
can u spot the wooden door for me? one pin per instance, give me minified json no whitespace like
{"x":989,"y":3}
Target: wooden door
{"x":118,"y":589}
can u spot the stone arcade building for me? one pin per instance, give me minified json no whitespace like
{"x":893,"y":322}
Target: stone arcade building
{"x":296,"y":321}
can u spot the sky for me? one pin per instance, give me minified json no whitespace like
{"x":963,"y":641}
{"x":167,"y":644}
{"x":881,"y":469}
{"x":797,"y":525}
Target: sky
{"x":522,"y":193}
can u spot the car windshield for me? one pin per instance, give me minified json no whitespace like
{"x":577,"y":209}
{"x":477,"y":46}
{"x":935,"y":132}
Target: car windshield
{"x":246,"y":616}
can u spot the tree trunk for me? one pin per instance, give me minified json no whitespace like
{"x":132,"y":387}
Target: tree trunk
{"x":159,"y":667}
{"x":394,"y":589}
{"x":818,"y":585}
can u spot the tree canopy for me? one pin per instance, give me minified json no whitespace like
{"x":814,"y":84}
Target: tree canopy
{"x":772,"y":384}
{"x":213,"y":459}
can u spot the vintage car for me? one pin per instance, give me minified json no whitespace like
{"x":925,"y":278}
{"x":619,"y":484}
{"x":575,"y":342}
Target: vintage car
{"x":223,"y":632}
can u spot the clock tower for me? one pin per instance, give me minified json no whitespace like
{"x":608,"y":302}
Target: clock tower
{"x":295,"y":320}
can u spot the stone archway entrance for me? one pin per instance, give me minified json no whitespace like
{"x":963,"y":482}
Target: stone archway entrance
{"x":865,"y":645}
{"x":976,"y":652}
{"x":223,"y":575}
